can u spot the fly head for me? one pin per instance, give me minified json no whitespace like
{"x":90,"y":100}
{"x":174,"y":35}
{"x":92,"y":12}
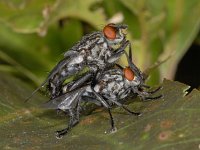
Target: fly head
{"x":114,"y":33}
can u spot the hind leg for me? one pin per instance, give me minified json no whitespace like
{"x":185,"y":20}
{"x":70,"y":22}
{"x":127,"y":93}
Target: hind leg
{"x":74,"y":120}
{"x":74,"y":113}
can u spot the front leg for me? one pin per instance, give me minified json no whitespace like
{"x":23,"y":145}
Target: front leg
{"x":155,"y":90}
{"x":117,"y":53}
{"x":125,"y":108}
{"x":145,"y":95}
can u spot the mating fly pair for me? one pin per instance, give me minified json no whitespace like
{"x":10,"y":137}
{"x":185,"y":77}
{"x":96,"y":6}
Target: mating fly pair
{"x":95,"y":51}
{"x":103,"y":84}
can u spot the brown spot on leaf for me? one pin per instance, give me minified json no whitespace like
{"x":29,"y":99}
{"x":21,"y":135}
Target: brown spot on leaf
{"x":164,"y":135}
{"x":148,"y":127}
{"x":152,"y":107}
{"x":166,"y":124}
{"x":88,"y":120}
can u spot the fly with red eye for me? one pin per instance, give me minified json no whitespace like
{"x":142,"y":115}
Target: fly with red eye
{"x":95,"y":51}
{"x":110,"y":87}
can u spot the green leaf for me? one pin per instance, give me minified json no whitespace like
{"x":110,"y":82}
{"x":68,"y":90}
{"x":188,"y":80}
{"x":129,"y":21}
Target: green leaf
{"x":33,"y":56}
{"x":169,"y":123}
{"x":36,"y":16}
{"x":80,"y":10}
{"x":24,"y":16}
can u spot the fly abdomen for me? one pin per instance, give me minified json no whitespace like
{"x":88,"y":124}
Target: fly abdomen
{"x":55,"y":83}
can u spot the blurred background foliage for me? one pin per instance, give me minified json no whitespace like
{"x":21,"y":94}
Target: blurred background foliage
{"x":34,"y":34}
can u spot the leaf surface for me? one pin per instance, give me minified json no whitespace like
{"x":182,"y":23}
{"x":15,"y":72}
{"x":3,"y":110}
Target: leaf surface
{"x":169,"y":123}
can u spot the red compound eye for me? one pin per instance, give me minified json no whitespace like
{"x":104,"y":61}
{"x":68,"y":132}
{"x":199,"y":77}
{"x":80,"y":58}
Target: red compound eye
{"x":109,"y":31}
{"x":129,"y":74}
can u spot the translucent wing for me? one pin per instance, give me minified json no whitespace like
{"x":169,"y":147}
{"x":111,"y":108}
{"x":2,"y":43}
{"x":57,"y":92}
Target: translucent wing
{"x":66,"y":101}
{"x":56,"y":69}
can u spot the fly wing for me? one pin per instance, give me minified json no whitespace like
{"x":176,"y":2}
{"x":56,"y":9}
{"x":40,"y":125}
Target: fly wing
{"x":70,"y":53}
{"x":55,"y":70}
{"x":67,"y":101}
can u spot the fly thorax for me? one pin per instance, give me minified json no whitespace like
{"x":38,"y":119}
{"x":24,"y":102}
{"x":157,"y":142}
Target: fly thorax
{"x":76,"y":60}
{"x":113,"y":89}
{"x":99,"y":53}
{"x":105,"y":52}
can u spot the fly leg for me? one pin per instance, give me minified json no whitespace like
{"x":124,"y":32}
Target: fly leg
{"x":131,"y":112}
{"x":118,"y":53}
{"x":100,"y":99}
{"x":147,"y":95}
{"x":148,"y":87}
{"x":125,"y":108}
{"x":74,"y":120}
{"x":74,"y":113}
{"x":145,"y":86}
{"x":153,"y":98}
{"x":113,"y":128}
{"x":105,"y":104}
{"x":154,"y":91}
{"x":77,"y":83}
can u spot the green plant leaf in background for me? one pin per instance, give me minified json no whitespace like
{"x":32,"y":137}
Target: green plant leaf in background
{"x":169,"y":123}
{"x":35,"y":16}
